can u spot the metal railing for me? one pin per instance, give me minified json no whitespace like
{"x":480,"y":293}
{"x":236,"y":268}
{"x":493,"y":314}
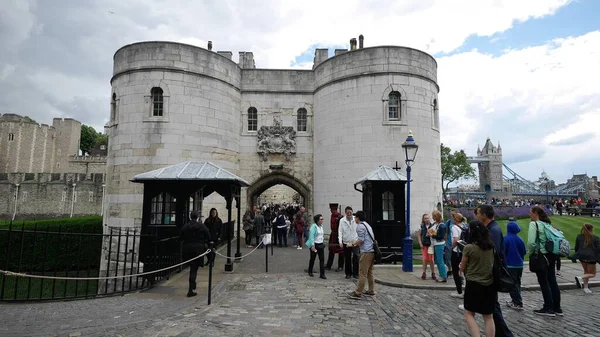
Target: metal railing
{"x":69,"y":253}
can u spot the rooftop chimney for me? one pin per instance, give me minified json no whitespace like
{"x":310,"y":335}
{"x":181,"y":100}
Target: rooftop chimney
{"x":210,"y":45}
{"x":353,"y":43}
{"x":361,"y":39}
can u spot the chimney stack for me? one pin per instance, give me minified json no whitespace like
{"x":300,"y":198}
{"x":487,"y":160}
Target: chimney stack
{"x":209,"y":45}
{"x":353,"y":43}
{"x":361,"y":39}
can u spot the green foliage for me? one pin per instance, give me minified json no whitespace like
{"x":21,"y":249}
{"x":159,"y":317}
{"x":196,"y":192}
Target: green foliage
{"x":90,"y":138}
{"x":29,"y":119}
{"x":51,"y":245}
{"x":454,"y":167}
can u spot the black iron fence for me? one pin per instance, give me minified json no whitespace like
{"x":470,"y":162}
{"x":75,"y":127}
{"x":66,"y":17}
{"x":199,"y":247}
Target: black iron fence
{"x":64,"y":262}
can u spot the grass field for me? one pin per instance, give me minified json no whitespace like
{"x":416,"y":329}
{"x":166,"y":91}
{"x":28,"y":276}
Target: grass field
{"x":569,"y":225}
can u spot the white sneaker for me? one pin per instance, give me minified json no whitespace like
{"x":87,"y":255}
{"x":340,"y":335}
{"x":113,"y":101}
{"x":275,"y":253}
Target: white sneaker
{"x":457,"y":295}
{"x":579,"y":282}
{"x":587,"y":290}
{"x":461,"y":307}
{"x":299,"y":247}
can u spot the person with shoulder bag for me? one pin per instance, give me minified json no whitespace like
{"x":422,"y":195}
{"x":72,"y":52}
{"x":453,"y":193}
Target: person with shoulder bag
{"x":543,"y":263}
{"x":366,"y":242}
{"x":425,"y":243}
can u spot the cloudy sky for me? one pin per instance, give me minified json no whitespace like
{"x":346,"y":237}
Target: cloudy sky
{"x":523,"y":73}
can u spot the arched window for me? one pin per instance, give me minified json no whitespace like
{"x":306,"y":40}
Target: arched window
{"x":302,"y":119}
{"x":435,"y":116}
{"x":113,"y":107}
{"x":252,"y":119}
{"x":157,"y":101}
{"x":387,"y":204}
{"x":394,"y":106}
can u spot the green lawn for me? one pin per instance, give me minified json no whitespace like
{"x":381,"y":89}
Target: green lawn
{"x":569,"y":225}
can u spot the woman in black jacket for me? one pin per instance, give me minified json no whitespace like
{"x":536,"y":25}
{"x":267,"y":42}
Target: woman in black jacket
{"x":587,"y":251}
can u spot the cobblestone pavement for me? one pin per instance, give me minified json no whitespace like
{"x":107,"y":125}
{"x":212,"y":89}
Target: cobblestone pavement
{"x":289,"y":303}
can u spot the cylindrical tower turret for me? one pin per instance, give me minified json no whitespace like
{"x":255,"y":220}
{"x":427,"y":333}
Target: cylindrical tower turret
{"x":364,"y":114}
{"x":177,"y":103}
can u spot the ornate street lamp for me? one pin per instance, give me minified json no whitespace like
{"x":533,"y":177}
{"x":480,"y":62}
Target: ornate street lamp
{"x":410,"y":151}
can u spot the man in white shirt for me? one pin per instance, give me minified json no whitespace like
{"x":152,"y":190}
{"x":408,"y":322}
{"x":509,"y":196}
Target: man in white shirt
{"x":346,"y":236}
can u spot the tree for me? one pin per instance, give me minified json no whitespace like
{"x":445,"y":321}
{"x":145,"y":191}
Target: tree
{"x":89,"y":138}
{"x":454,"y":167}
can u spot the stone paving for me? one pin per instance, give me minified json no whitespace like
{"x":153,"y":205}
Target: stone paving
{"x":285,"y":302}
{"x":392,"y":275}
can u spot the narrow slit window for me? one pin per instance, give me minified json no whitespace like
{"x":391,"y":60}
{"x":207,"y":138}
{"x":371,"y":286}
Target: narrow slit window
{"x":157,"y":102}
{"x":252,"y":119}
{"x":302,"y":119}
{"x":394,"y":106}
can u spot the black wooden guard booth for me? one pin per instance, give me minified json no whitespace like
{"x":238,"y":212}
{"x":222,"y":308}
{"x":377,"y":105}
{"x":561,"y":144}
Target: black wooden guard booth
{"x":172,"y":192}
{"x":383,"y":193}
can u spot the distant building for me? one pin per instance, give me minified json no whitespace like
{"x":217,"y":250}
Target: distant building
{"x":41,"y":173}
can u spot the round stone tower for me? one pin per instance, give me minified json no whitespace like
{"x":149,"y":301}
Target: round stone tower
{"x":170,"y":102}
{"x":366,"y":101}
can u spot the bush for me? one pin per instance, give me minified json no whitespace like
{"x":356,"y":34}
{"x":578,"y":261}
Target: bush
{"x":51,"y":245}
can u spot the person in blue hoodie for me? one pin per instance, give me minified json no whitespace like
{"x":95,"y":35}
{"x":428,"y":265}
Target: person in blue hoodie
{"x":514,"y":252}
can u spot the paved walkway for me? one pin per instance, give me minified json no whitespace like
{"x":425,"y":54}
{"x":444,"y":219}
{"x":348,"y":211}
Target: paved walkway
{"x":393,"y":276}
{"x":283,"y":302}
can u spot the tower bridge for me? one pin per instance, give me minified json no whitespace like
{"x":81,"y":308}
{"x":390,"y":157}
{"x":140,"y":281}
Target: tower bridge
{"x":498,"y":179}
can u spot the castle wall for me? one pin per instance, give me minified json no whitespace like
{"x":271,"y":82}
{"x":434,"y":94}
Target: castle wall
{"x":34,"y":148}
{"x":50,"y":195}
{"x":200,"y":121}
{"x":352,"y":132}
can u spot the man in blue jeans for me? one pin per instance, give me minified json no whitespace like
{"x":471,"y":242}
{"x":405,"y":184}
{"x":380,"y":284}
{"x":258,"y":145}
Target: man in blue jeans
{"x":485,"y":214}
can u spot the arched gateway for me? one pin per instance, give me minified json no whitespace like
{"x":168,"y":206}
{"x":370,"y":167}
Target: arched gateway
{"x":274,"y":178}
{"x":317,"y":130}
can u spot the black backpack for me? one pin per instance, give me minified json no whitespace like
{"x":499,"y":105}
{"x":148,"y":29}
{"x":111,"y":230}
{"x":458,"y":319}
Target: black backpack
{"x":464,"y":234}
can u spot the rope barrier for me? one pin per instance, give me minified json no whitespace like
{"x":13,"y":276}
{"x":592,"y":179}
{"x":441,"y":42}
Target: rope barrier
{"x":241,"y":257}
{"x":11,"y":273}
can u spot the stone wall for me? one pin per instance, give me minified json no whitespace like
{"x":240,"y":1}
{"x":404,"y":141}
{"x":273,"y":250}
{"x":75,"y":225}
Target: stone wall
{"x":50,"y":195}
{"x":352,"y":131}
{"x":30,"y":147}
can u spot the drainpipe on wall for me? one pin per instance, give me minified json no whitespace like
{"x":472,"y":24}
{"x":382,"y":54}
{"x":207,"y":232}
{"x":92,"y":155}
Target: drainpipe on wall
{"x":72,"y":200}
{"x":102,"y":207}
{"x":16,"y":200}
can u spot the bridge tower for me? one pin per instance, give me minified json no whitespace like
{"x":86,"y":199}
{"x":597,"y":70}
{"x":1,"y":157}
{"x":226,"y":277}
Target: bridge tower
{"x":490,"y":170}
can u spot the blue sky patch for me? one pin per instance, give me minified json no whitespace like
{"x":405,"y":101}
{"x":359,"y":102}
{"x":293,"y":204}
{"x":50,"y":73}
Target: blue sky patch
{"x":577,"y":18}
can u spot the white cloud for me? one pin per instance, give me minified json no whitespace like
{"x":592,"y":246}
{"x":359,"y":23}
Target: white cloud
{"x":531,"y":100}
{"x":522,"y":98}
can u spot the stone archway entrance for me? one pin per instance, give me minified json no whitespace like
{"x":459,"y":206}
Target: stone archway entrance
{"x":269,"y":180}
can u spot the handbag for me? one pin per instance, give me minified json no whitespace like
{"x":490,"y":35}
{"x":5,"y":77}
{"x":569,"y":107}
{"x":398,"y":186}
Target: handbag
{"x":266,"y":239}
{"x":376,"y":249}
{"x":503,"y":281}
{"x":537,"y":261}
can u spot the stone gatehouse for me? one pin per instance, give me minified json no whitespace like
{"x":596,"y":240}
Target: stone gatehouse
{"x":317,"y":131}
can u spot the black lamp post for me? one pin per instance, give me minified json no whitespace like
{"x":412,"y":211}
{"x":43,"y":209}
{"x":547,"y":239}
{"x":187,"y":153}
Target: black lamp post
{"x":410,"y":152}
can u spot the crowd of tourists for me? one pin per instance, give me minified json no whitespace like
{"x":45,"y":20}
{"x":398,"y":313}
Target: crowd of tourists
{"x":465,"y":251}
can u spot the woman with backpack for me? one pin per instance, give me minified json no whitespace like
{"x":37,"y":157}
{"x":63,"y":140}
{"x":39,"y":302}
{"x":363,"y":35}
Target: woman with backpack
{"x":546,"y":276}
{"x":425,"y":244}
{"x":587,"y":251}
{"x":459,"y":232}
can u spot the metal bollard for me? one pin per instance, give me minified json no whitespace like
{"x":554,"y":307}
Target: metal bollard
{"x":266,"y":256}
{"x":211,"y":264}
{"x":271,"y":243}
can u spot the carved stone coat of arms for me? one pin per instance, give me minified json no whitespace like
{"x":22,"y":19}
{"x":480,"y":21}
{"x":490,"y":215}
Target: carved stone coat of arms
{"x":276,"y":139}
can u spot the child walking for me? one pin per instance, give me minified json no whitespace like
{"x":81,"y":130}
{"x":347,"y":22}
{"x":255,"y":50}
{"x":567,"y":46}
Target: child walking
{"x":514,"y":251}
